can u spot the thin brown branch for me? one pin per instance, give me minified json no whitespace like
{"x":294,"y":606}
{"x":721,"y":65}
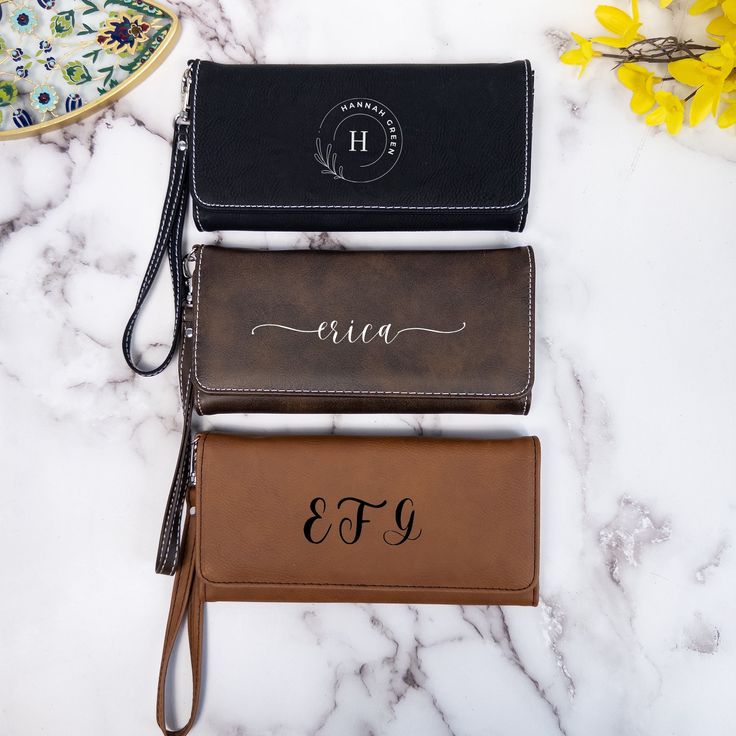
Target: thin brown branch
{"x":658,"y":50}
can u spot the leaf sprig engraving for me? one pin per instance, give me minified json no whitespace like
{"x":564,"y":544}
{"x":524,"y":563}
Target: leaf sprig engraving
{"x":328,"y":160}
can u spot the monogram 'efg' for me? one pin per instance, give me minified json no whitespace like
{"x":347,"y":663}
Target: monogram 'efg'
{"x":360,"y":147}
{"x":325,"y":331}
{"x":338,"y":519}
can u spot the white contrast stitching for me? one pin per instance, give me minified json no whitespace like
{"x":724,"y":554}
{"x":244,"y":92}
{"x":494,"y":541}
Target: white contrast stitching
{"x":195,"y":209}
{"x":192,"y":463}
{"x":200,"y":271}
{"x":181,"y":376}
{"x":172,"y":504}
{"x":168,"y":519}
{"x":361,"y":206}
{"x":175,"y":266}
{"x":179,"y":507}
{"x":160,"y":245}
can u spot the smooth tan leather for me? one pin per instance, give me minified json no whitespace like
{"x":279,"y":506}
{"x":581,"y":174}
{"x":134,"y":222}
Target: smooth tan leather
{"x":475,"y":501}
{"x":474,"y":538}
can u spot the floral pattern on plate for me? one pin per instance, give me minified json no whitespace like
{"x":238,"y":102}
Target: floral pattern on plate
{"x":62,"y":58}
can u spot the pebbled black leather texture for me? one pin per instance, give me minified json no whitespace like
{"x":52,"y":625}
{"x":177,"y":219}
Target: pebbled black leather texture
{"x":361,"y":147}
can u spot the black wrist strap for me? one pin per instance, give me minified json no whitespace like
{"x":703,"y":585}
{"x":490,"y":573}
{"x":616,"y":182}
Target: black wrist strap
{"x":167,"y":557}
{"x":168,"y":241}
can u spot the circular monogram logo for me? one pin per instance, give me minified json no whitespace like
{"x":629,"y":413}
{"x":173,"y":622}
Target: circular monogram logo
{"x":358,"y":140}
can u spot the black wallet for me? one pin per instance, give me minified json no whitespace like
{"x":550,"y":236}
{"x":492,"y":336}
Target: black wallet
{"x":360,"y":147}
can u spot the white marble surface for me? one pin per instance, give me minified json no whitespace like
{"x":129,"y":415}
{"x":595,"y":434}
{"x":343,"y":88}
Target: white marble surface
{"x":634,"y":404}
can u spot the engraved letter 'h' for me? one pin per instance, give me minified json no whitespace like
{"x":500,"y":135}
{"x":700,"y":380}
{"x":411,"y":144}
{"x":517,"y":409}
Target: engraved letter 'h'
{"x":361,"y":140}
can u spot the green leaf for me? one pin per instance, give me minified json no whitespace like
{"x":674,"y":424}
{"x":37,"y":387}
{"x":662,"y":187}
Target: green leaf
{"x":62,"y":24}
{"x":8,"y":93}
{"x":138,"y":6}
{"x":3,"y":45}
{"x":92,"y":55}
{"x":75,"y":72}
{"x":91,"y":7}
{"x":87,"y":30}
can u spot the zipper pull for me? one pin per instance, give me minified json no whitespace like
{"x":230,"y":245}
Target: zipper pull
{"x":189,"y":263}
{"x":186,"y":83}
{"x":193,"y":463}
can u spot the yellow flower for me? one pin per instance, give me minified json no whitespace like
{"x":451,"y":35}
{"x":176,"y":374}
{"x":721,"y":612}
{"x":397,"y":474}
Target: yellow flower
{"x":723,"y":58}
{"x":580,"y":56}
{"x":729,"y":9}
{"x":702,"y":6}
{"x":665,"y":3}
{"x":624,"y":26}
{"x":727,"y":118}
{"x":670,"y":111}
{"x":641,"y":82}
{"x":724,"y":27}
{"x":709,"y":75}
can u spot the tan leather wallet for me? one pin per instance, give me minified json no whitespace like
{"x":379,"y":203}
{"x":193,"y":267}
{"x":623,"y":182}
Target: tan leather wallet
{"x":341,"y":519}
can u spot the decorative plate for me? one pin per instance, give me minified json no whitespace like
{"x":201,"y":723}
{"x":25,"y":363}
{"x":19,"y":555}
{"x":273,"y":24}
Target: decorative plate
{"x":62,"y":59}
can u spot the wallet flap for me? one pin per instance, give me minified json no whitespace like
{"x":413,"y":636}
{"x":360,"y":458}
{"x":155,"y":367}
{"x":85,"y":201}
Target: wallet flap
{"x":441,"y":325}
{"x":401,"y":516}
{"x":385,"y":138}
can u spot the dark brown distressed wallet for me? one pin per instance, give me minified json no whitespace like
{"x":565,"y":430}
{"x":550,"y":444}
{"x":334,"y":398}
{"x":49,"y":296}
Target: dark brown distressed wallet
{"x":348,"y":519}
{"x":366,"y":331}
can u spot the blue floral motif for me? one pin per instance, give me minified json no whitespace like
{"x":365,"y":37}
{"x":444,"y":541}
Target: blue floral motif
{"x":23,"y":20}
{"x":57,"y":56}
{"x":44,"y":98}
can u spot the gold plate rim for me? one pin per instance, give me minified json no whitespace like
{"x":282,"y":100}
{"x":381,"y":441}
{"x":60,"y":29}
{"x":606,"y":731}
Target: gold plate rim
{"x":109,"y":97}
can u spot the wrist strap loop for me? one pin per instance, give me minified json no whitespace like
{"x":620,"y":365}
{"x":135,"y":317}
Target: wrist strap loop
{"x":186,"y":600}
{"x":168,"y":241}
